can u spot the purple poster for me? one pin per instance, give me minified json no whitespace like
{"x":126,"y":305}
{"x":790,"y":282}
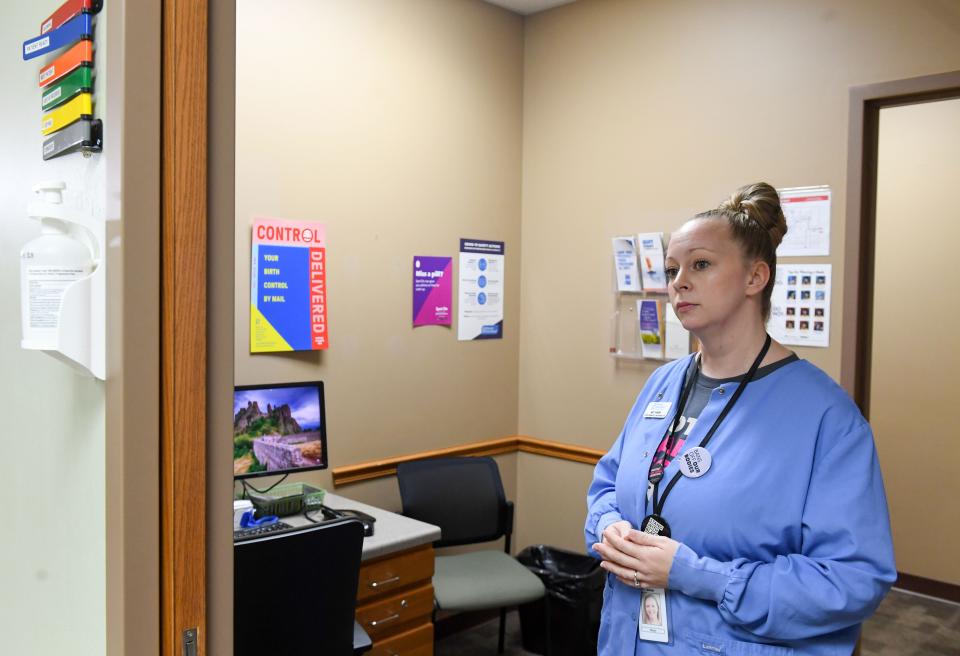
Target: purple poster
{"x":432,"y":291}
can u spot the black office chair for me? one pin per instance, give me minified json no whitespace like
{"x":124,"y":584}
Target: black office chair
{"x":295,"y":593}
{"x":464,"y":497}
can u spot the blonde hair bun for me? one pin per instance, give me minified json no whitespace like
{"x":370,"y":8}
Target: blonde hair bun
{"x":759,"y":202}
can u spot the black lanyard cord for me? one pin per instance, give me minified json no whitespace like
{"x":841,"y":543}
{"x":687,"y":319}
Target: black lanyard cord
{"x":659,"y":501}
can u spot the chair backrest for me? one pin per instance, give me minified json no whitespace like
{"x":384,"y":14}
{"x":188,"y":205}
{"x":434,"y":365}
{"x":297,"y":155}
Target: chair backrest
{"x":463,"y":496}
{"x":295,"y":593}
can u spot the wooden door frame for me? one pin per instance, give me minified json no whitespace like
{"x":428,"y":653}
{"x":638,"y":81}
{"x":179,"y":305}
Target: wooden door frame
{"x":858,"y":268}
{"x":183,"y":322}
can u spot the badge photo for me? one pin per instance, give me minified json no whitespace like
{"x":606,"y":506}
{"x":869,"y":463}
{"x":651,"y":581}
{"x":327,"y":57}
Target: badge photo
{"x":653,"y":615}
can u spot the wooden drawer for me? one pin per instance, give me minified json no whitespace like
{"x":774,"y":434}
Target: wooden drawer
{"x":385,"y":575}
{"x":415,"y":642}
{"x":382,"y":616}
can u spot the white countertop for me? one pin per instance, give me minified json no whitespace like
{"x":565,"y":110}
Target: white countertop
{"x":391,"y":532}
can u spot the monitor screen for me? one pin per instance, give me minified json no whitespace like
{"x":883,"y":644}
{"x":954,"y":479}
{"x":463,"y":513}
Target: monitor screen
{"x":278,"y":429}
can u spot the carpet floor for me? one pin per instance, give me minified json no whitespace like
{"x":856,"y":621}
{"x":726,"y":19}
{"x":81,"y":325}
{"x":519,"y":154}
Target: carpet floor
{"x":904,"y":625}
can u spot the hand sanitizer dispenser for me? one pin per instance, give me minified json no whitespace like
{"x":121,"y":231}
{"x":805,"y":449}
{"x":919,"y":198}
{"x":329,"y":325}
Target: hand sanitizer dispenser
{"x":55,"y":282}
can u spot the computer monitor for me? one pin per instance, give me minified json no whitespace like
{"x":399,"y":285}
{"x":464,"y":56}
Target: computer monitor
{"x":278,"y":429}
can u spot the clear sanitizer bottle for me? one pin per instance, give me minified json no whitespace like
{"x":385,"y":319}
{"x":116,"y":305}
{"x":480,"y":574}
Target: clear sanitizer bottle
{"x":49,"y":264}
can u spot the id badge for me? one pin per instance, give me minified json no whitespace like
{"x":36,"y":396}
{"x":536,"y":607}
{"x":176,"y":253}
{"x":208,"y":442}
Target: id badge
{"x":657,"y":409}
{"x":653,"y":615}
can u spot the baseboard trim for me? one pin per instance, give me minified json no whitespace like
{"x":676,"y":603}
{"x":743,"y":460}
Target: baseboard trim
{"x":373,"y":469}
{"x":928,"y":587}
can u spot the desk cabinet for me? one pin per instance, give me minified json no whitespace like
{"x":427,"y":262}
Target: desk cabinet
{"x":395,"y":602}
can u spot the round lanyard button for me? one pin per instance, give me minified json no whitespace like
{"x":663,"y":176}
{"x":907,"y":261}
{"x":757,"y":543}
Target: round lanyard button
{"x":695,"y":462}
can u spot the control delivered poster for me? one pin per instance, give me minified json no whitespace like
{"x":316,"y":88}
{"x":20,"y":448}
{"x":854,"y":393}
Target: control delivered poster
{"x":288,"y":286}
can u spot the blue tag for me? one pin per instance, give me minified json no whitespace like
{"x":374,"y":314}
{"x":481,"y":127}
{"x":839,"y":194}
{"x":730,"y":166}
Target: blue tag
{"x":78,"y":27}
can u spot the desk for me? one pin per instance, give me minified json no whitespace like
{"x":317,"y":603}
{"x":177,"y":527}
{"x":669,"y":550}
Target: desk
{"x":395,"y":595}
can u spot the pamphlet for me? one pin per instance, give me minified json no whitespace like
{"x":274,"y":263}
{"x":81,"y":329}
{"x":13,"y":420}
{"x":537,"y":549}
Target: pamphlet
{"x":651,"y":335}
{"x":651,"y":261}
{"x":625,"y":259}
{"x":677,"y":337}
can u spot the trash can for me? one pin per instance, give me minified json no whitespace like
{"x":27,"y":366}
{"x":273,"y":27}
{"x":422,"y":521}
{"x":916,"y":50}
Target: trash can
{"x":571,"y":609}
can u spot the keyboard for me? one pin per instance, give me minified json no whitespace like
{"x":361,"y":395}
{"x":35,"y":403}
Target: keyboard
{"x":251,"y":532}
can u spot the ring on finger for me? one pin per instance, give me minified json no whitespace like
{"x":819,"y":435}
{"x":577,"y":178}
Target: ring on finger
{"x":636,"y":579}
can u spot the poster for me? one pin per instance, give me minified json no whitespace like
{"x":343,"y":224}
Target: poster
{"x":432,"y":290}
{"x":807,"y":210}
{"x":288,"y":286}
{"x":625,"y":261}
{"x":481,"y":290}
{"x":800,"y":306}
{"x":651,"y":328}
{"x":651,"y":261}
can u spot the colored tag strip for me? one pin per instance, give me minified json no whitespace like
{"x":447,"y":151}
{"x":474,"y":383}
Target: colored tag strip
{"x":78,"y":108}
{"x":68,"y":10}
{"x":84,"y":135}
{"x":80,"y":81}
{"x":80,"y":54}
{"x":78,"y":27}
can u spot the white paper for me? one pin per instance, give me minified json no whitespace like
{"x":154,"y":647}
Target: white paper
{"x":800,"y":306}
{"x":677,"y":337}
{"x":807,"y":210}
{"x":480,"y":307}
{"x":625,"y":260}
{"x":652,"y":272}
{"x":650,"y":315}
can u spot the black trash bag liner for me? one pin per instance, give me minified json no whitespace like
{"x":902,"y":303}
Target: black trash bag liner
{"x":574,"y":587}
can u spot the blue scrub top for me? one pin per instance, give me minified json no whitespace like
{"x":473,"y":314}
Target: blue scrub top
{"x":785,"y":541}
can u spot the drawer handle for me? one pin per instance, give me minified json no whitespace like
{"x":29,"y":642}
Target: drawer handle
{"x":375,"y":623}
{"x":380,"y":584}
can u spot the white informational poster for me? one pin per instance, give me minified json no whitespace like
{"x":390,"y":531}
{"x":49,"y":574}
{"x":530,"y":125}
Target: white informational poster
{"x":650,"y":313}
{"x":625,"y":260}
{"x":800,"y":309}
{"x":481,"y":290}
{"x":807,"y":210}
{"x":677,"y":338}
{"x":651,"y":261}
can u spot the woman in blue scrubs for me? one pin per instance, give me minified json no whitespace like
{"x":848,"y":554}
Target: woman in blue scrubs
{"x":744,"y":490}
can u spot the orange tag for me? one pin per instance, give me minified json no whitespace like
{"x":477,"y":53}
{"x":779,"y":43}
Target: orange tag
{"x":80,"y":54}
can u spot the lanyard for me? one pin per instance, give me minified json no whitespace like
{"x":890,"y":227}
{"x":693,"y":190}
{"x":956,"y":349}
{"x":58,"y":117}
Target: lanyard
{"x":656,"y":477}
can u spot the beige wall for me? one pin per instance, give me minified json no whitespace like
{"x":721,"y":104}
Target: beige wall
{"x":637,"y":114}
{"x":398,"y":125}
{"x":916,"y":287}
{"x":631,"y":115}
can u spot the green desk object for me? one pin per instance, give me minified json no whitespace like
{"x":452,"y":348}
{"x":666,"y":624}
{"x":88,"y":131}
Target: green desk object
{"x":77,"y":82}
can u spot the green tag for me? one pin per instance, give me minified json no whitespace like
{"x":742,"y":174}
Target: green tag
{"x":79,"y":81}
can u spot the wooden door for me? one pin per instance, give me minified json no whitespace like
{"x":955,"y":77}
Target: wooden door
{"x":183,"y":320}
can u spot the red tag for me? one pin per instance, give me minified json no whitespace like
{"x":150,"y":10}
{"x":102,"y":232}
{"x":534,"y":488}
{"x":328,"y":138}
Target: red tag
{"x":67,"y":10}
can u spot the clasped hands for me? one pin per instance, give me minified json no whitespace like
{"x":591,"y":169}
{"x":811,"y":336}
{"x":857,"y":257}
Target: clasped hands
{"x":636,"y":558}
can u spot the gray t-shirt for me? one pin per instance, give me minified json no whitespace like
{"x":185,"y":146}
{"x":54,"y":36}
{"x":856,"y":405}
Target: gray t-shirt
{"x":697,"y":401}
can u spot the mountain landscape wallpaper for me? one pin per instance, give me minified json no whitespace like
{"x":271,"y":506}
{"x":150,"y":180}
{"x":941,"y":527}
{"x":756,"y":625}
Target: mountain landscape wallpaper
{"x":276,"y":429}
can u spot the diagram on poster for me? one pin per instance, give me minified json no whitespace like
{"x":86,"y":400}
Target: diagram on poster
{"x":800,"y":307}
{"x":288,"y":286}
{"x":481,"y":290}
{"x":807,"y":210}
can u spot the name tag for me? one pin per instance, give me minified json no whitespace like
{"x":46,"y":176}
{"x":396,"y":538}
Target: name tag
{"x":657,"y":409}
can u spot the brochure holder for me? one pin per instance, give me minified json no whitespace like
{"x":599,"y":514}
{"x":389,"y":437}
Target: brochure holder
{"x":625,"y":334}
